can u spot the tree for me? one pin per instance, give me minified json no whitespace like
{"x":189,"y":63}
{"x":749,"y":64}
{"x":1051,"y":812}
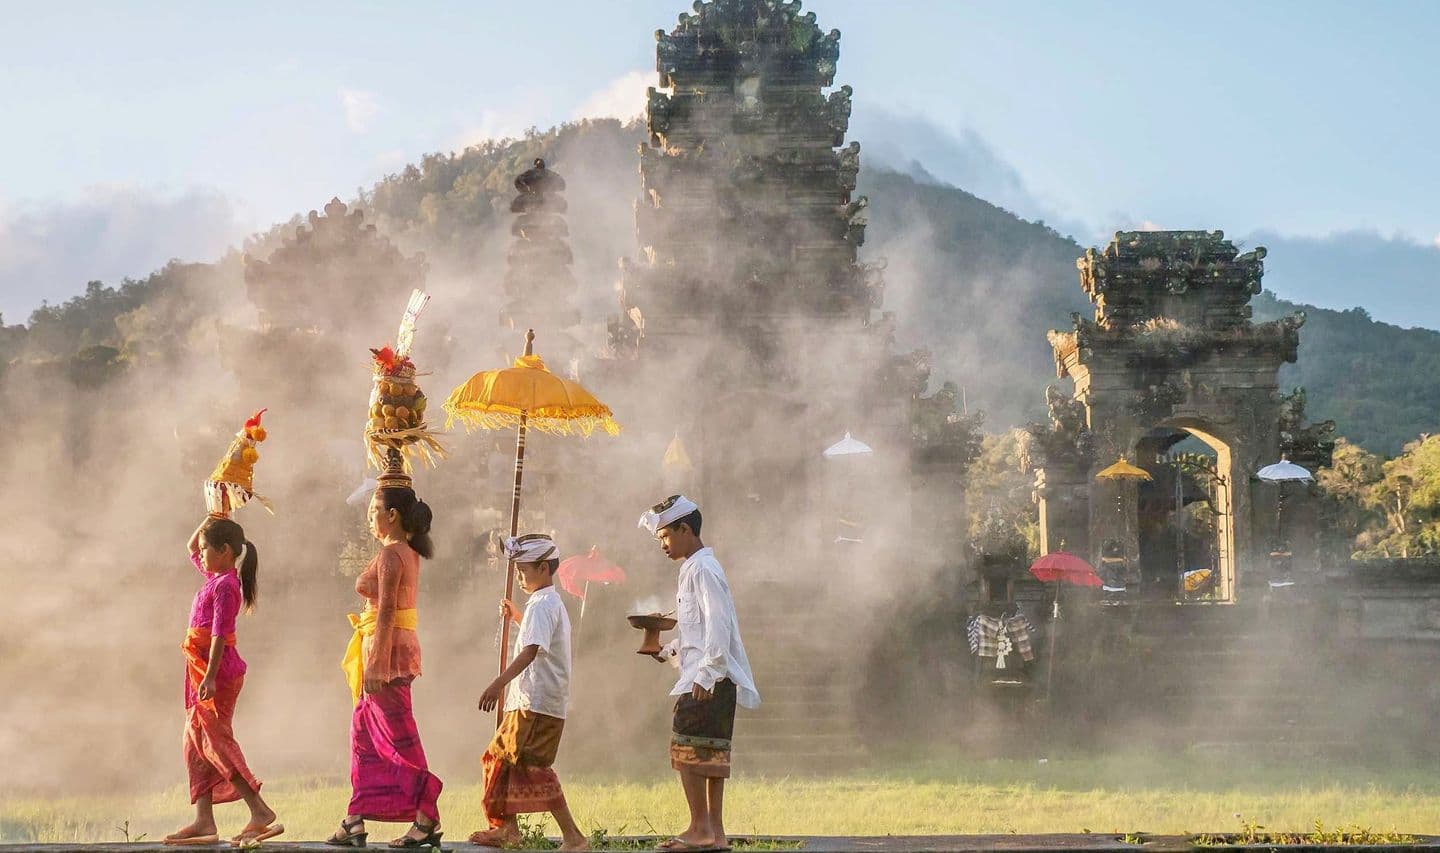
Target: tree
{"x":1003,"y":515}
{"x":1404,"y":498}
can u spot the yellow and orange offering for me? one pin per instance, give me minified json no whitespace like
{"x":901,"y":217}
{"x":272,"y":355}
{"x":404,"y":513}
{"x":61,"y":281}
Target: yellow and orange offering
{"x":232,"y":484}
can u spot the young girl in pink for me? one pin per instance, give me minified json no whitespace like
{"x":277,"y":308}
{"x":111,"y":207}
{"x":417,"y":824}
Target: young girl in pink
{"x":214,"y":675}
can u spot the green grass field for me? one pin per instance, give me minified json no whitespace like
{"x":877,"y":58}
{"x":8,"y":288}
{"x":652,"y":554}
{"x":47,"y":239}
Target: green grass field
{"x":1126,"y":794}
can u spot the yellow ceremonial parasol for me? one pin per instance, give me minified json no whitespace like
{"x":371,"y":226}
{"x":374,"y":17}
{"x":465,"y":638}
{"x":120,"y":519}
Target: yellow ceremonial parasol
{"x":1123,"y":470}
{"x":525,"y":396}
{"x":1119,"y":473}
{"x":676,"y":458}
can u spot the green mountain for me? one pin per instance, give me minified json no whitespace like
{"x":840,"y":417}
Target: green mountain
{"x":971,"y":282}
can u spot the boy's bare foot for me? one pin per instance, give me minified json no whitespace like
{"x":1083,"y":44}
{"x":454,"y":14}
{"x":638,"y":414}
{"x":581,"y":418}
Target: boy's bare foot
{"x":580,"y":843}
{"x":498,"y":836}
{"x":684,"y":843}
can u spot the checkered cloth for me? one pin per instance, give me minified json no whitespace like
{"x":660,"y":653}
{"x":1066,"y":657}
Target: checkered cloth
{"x":984,"y":634}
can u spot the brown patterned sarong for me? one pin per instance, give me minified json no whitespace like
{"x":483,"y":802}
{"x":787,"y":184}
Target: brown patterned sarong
{"x":700,"y":736}
{"x":519,"y":778}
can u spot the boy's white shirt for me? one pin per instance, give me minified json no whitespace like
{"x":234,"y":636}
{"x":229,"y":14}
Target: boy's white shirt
{"x":544,"y":685}
{"x":709,"y":646}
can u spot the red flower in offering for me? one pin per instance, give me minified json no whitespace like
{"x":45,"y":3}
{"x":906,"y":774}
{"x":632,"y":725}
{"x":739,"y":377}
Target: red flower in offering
{"x":388,"y":361}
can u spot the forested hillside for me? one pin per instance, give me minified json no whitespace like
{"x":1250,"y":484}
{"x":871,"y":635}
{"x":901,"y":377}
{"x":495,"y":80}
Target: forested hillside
{"x":973,"y":283}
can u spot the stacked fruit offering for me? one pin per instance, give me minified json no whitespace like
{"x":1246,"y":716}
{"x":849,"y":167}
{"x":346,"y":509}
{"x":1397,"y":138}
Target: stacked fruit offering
{"x":396,"y":420}
{"x":396,"y":403}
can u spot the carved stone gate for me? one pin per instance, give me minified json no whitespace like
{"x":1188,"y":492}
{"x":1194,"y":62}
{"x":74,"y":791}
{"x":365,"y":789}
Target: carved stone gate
{"x":1171,"y":353}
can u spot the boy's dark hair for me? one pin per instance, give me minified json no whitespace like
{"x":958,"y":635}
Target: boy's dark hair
{"x":691,"y":521}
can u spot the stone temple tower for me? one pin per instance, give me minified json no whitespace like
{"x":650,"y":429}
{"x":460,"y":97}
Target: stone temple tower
{"x":747,"y":276}
{"x":746,"y":218}
{"x":750,"y":323}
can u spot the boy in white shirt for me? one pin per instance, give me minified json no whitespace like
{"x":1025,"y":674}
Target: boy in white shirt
{"x":519,"y":777}
{"x":714,"y":673}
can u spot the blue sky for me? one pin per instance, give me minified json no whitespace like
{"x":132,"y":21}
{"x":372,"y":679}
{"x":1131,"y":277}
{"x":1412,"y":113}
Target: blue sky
{"x":143,"y":130}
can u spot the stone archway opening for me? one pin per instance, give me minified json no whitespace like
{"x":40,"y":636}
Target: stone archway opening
{"x":1185,"y":515}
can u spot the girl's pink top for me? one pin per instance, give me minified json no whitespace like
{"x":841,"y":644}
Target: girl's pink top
{"x":215,"y":607}
{"x":391,"y":582}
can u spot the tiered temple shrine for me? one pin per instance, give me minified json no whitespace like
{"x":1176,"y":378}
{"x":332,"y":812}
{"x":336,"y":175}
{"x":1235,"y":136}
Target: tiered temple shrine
{"x":749,"y":313}
{"x":538,"y":283}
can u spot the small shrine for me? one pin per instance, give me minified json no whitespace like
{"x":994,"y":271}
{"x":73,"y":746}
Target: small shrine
{"x":539,"y":285}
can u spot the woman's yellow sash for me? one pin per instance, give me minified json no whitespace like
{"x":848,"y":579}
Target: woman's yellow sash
{"x":364,"y":625}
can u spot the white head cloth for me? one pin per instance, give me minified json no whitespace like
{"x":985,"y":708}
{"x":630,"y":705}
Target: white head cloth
{"x":667,"y":512}
{"x":530,"y":548}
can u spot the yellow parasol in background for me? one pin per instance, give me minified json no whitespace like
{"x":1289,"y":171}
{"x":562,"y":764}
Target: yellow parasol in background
{"x":1118,"y":473}
{"x":675,"y":456}
{"x":523,"y":397}
{"x":1123,"y":470}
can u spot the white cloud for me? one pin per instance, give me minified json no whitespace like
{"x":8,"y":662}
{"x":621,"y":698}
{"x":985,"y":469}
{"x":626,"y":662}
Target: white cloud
{"x":49,"y":250}
{"x":1147,"y":225}
{"x":361,"y":107}
{"x":490,"y":125}
{"x":1436,"y":241}
{"x":622,"y":98}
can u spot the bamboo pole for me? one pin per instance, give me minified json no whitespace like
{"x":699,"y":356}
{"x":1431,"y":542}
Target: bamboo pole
{"x":514,"y":531}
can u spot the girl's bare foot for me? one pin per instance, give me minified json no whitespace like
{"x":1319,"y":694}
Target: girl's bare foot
{"x":199,"y":832}
{"x":194,"y":830}
{"x":260,"y":821}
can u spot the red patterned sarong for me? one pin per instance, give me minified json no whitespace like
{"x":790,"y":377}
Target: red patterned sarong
{"x":519,"y":778}
{"x":212,"y":756}
{"x":389,"y":777}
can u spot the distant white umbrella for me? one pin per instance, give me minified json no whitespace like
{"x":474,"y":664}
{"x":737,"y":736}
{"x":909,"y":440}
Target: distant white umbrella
{"x":847,"y":446}
{"x":1280,"y":473}
{"x":362,"y":492}
{"x":1284,"y":471}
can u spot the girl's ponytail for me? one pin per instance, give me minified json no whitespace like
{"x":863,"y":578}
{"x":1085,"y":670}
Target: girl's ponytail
{"x":249,"y":569}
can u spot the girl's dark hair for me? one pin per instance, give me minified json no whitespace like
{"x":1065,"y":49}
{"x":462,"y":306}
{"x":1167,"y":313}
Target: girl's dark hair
{"x":415,"y":518}
{"x":223,"y":531}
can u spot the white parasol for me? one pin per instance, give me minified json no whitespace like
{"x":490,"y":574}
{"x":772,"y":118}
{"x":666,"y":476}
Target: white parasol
{"x":847,"y":446}
{"x":1284,"y":471}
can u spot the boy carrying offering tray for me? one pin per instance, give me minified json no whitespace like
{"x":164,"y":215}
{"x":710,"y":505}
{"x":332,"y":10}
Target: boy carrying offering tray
{"x":519,"y":773}
{"x":714,"y":673}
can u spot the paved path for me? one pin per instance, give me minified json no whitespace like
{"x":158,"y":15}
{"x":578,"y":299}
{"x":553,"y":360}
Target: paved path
{"x":1091,"y":843}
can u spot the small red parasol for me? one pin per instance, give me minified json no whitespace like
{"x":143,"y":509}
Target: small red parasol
{"x":1064,"y":567}
{"x":576,"y":573}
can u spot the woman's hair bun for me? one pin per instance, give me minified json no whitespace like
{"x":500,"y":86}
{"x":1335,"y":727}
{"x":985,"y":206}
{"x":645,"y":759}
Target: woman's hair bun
{"x":417,"y":521}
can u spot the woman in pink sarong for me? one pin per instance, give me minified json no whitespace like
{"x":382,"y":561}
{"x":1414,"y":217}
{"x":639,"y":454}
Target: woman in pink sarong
{"x":389,"y":777}
{"x":214,"y":674}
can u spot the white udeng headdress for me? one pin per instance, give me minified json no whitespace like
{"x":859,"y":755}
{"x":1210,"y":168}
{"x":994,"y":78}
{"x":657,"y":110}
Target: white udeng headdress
{"x":530,"y":548}
{"x":667,"y":512}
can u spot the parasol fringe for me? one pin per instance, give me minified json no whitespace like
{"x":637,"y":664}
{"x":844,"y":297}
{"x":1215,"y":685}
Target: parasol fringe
{"x":582,"y":422}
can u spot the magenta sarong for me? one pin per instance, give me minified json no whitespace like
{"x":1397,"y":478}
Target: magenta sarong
{"x":389,"y":777}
